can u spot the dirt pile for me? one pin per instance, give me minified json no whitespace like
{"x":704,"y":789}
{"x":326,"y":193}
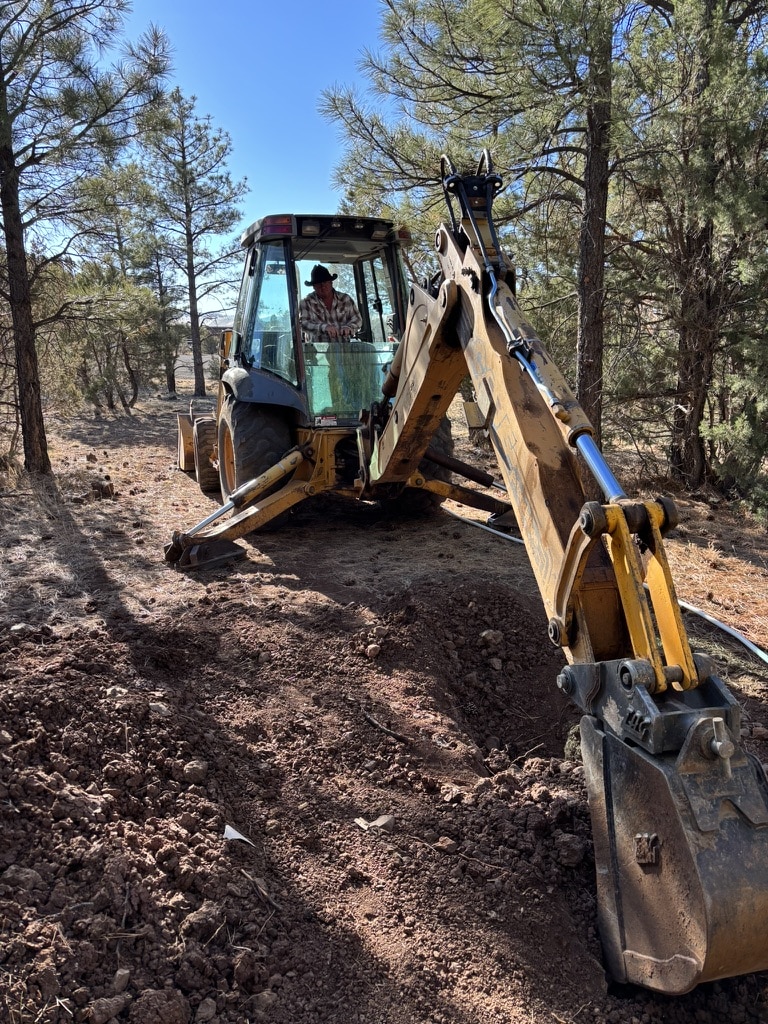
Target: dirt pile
{"x":325,"y":784}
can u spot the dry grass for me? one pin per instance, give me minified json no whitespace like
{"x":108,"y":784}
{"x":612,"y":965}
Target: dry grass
{"x":719,"y":562}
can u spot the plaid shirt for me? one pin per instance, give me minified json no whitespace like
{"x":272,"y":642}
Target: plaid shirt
{"x":343,"y":313}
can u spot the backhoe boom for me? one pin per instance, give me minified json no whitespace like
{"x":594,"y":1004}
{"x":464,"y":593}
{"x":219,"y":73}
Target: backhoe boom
{"x":680,"y":812}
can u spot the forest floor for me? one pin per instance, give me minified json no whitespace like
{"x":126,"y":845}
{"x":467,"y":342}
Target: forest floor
{"x":369,"y":703}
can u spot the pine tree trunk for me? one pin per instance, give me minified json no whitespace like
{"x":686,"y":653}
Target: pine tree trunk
{"x":194,"y":316}
{"x":591,"y":283}
{"x":36,"y":458}
{"x":194,"y":328}
{"x":132,"y":376}
{"x":697,"y":340}
{"x":697,"y":330}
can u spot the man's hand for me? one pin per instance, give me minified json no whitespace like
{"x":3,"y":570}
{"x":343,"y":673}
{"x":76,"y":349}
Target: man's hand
{"x":338,"y":332}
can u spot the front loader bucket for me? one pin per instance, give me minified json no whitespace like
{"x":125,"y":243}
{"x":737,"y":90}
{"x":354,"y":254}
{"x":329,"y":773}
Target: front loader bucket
{"x":186,"y":450}
{"x":205,"y":555}
{"x":681,"y":851}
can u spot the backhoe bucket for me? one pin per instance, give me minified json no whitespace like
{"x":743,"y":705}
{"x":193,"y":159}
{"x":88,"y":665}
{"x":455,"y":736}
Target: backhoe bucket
{"x":681,"y":850}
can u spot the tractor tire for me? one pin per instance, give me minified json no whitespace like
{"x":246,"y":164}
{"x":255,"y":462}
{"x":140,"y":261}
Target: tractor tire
{"x":252,"y":438}
{"x":203,"y":443}
{"x":442,"y":442}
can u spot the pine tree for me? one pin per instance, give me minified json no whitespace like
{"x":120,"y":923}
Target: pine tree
{"x":59,"y":102}
{"x":196,"y":203}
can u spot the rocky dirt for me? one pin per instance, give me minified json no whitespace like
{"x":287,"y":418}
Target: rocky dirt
{"x":326,"y":783}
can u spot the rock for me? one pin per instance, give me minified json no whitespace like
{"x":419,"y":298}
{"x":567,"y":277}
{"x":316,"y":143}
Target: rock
{"x":48,"y":982}
{"x":205,"y":1011}
{"x":372,"y":651}
{"x":446,"y":845}
{"x":153,"y":1006}
{"x":492,"y":637}
{"x":160,"y":709}
{"x":498,"y":761}
{"x":203,"y":923}
{"x":451,"y":794}
{"x":121,"y":979}
{"x":385,"y":822}
{"x":102,"y":487}
{"x":247,"y":970}
{"x":540,"y":793}
{"x":21,"y":878}
{"x":265,"y":1000}
{"x":103,"y":1010}
{"x":507,"y":780}
{"x":572,"y":750}
{"x":569,"y":849}
{"x":196,"y":771}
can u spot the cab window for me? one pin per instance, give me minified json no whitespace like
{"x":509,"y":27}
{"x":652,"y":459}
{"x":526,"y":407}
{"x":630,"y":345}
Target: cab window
{"x":268,"y":342}
{"x":380,"y":301}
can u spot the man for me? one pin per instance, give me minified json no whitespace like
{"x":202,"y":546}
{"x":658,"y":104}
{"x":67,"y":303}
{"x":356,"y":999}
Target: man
{"x":327,"y":314}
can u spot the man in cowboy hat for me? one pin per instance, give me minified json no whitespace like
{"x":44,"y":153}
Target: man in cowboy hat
{"x":327,"y":314}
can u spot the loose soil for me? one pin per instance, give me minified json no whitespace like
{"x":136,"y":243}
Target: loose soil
{"x":326,"y":783}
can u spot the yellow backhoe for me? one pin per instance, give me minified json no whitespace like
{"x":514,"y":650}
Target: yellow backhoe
{"x":679,"y":808}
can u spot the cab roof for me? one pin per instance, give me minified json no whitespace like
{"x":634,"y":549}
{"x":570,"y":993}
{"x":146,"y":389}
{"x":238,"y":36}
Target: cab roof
{"x":329,"y":235}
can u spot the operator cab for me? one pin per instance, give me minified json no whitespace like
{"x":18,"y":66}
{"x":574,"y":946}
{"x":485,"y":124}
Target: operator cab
{"x":327,"y":382}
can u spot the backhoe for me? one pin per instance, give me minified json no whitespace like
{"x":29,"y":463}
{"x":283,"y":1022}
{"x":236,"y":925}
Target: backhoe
{"x":679,"y":808}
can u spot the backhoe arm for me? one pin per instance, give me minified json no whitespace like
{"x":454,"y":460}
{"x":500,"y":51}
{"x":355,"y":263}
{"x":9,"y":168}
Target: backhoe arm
{"x":592,"y":592}
{"x":679,"y":810}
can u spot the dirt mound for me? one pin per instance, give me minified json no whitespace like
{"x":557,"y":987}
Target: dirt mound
{"x":325,"y":784}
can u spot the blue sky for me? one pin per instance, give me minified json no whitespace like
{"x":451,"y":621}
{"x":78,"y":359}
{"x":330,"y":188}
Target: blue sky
{"x":258,"y":68}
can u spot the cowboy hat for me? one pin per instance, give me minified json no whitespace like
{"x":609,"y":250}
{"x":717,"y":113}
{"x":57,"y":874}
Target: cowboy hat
{"x":320,"y":274}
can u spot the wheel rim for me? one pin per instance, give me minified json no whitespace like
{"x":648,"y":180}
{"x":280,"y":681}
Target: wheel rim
{"x":227,"y":457}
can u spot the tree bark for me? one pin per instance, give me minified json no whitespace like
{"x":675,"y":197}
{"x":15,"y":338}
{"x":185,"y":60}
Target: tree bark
{"x":698,"y":327}
{"x":170,"y":377}
{"x":36,"y":459}
{"x":591,"y":282}
{"x":697,"y":341}
{"x":166,"y":343}
{"x":194,"y":321}
{"x":132,"y":376}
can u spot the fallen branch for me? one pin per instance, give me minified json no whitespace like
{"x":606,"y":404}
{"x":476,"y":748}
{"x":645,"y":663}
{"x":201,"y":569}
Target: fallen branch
{"x":390,"y":732}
